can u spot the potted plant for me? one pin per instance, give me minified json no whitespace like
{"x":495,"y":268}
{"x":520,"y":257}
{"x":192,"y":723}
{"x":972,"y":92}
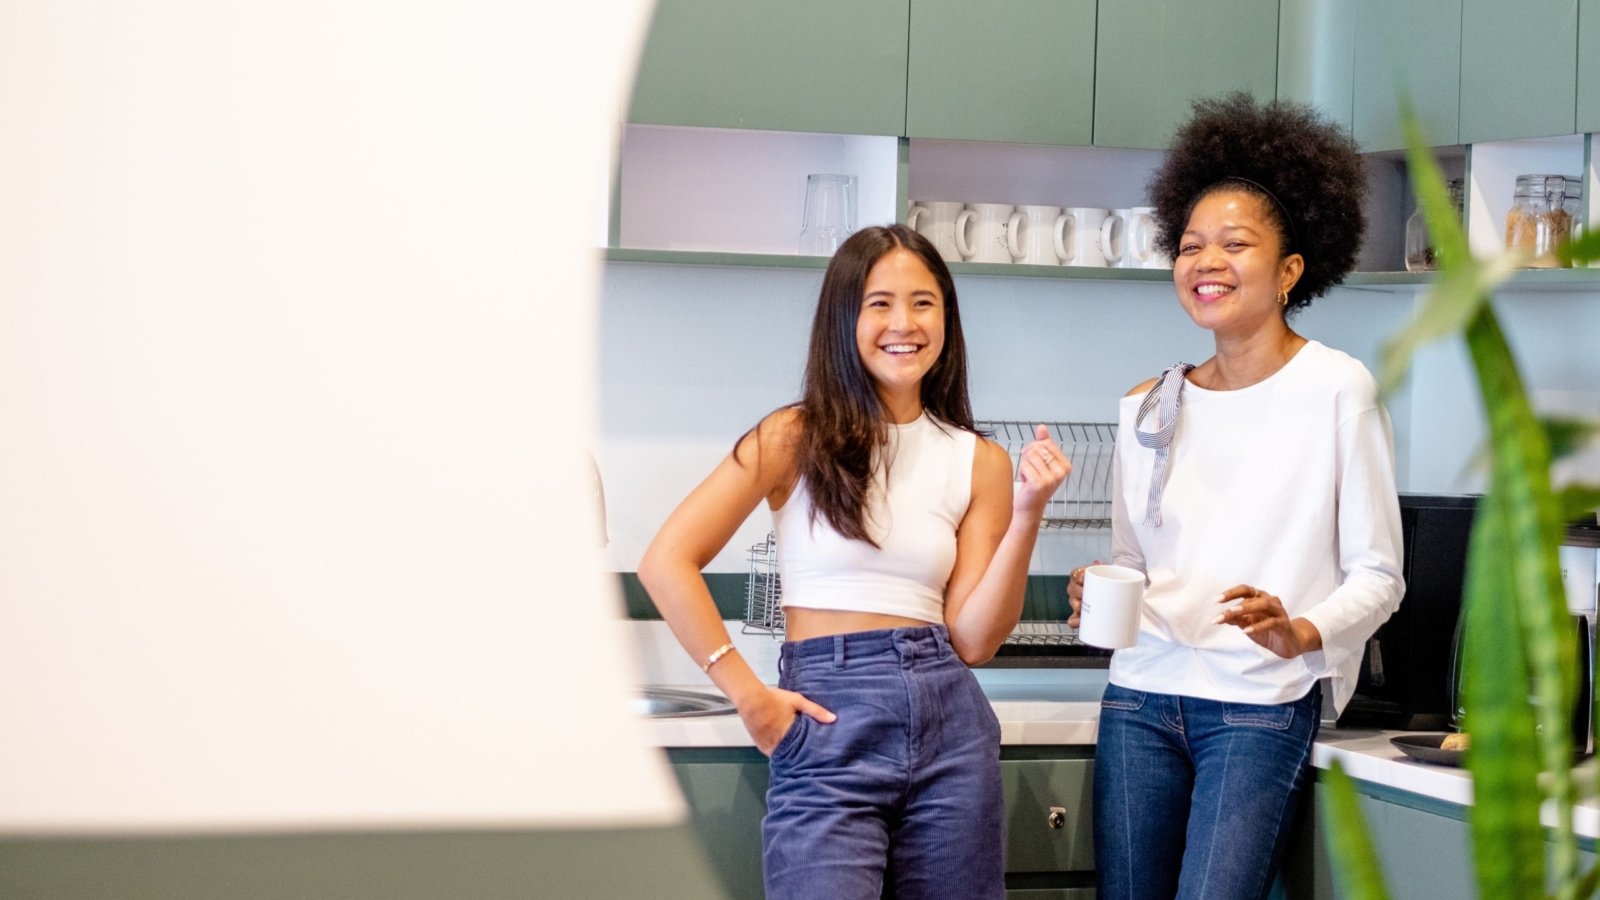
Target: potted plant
{"x":1518,"y":646}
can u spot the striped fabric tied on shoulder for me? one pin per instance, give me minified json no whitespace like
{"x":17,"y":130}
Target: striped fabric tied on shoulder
{"x":1166,"y":395}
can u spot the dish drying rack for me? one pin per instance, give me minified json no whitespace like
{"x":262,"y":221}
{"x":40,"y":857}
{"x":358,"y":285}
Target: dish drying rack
{"x":763,"y":608}
{"x":763,"y":611}
{"x":1084,"y":499}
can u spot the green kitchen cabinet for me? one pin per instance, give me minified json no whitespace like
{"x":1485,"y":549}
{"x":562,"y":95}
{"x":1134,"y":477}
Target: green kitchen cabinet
{"x":1021,"y":71}
{"x":1519,"y":69}
{"x":831,"y":66}
{"x":1424,"y":848}
{"x":1049,"y":853}
{"x":1153,"y":58}
{"x":1410,"y":49}
{"x":1316,"y":40}
{"x":1588,"y":65}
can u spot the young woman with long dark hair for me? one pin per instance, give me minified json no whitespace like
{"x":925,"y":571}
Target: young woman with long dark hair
{"x":903,"y":556}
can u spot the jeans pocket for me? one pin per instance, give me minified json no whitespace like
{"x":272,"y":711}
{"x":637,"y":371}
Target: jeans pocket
{"x":790,"y":739}
{"x":1121,"y":698}
{"x":1278,"y":716}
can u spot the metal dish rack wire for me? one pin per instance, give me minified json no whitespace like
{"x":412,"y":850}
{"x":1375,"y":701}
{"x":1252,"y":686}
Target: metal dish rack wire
{"x":1084,"y":499}
{"x":763,"y":607}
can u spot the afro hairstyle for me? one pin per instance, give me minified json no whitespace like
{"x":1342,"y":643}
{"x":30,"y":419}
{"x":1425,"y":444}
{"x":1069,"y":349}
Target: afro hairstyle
{"x":1301,"y":165}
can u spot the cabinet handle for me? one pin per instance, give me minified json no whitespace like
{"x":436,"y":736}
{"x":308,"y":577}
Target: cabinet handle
{"x":1058,"y":817}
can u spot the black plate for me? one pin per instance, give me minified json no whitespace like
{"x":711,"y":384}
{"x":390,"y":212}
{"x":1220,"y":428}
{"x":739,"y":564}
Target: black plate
{"x":1426,"y":748}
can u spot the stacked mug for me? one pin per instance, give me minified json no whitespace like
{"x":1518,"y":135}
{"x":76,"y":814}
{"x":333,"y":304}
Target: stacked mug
{"x":1039,"y":235}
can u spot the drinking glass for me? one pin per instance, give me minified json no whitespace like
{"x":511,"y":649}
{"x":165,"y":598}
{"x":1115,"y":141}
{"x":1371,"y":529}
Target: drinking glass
{"x":830,"y":213}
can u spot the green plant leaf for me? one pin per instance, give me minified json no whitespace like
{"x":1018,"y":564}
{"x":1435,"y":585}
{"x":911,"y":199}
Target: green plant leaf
{"x":1506,"y":834}
{"x":1581,"y":250}
{"x":1526,"y":572}
{"x":1350,"y":849}
{"x":1578,"y":500}
{"x":1568,"y":436}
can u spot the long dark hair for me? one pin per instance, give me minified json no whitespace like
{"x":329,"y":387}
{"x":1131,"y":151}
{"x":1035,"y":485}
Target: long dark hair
{"x":841,"y":416}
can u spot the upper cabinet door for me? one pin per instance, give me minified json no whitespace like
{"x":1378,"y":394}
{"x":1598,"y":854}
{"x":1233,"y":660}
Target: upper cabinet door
{"x":1518,"y":69}
{"x":1154,"y":57}
{"x":1020,"y":71}
{"x":1589,"y":65}
{"x":1412,"y":48}
{"x":834,"y":66}
{"x":1316,"y":40}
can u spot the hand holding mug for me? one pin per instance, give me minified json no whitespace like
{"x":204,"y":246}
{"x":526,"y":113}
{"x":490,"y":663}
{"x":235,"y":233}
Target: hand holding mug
{"x":1075,"y":594}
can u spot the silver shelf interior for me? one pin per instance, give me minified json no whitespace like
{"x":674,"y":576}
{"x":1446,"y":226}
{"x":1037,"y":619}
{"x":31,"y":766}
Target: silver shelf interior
{"x":1084,"y":499}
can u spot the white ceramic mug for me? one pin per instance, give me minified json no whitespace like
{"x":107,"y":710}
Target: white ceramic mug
{"x":1142,"y":250}
{"x":1113,"y":604}
{"x":1079,"y":241}
{"x":936,"y":221}
{"x":1037,"y":234}
{"x":1128,"y":239}
{"x":982,"y":232}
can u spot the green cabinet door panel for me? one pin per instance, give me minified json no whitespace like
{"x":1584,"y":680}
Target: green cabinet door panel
{"x":727,"y":796}
{"x":1410,"y":49}
{"x":834,"y":66}
{"x":726,"y":790}
{"x":1020,"y":71}
{"x":1588,"y":65}
{"x":1316,"y":49}
{"x":1153,"y":57}
{"x":1518,"y":69}
{"x":1033,"y":787}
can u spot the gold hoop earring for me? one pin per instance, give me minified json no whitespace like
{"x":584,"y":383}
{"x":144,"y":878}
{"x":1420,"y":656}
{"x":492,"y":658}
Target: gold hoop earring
{"x":1283,"y":299}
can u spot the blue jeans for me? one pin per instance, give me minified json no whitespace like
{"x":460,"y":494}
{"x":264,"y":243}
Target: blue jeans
{"x":1196,"y":798}
{"x":903,"y":787}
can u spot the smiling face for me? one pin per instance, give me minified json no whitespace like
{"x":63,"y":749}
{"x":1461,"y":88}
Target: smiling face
{"x":1227,"y":272}
{"x":900,"y":329}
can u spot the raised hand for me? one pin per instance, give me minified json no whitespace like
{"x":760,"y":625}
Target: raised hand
{"x":1041,"y":470}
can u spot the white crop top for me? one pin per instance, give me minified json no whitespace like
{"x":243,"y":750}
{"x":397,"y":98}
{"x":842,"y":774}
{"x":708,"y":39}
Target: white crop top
{"x":912,"y":514}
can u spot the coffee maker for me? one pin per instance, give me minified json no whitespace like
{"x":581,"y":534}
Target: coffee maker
{"x":1405,"y":679}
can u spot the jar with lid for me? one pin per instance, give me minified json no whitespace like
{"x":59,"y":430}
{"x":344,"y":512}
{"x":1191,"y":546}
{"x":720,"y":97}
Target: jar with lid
{"x":1574,"y":204}
{"x":1539,"y":221}
{"x":1420,"y":254}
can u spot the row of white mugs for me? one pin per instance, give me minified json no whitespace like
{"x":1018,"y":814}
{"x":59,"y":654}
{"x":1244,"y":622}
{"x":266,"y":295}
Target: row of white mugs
{"x":1039,"y":235}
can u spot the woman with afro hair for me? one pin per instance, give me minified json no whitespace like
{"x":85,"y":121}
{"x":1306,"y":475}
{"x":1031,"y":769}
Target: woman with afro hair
{"x":1256,"y":492}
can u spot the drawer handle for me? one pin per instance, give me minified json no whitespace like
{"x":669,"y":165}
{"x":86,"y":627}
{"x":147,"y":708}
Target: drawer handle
{"x":1058,"y":817}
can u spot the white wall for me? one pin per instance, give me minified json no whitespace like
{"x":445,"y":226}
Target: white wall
{"x":295,"y":533}
{"x":1555,"y":337}
{"x":693,"y":356}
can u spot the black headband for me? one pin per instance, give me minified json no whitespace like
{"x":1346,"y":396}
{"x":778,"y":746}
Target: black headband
{"x":1283,"y":211}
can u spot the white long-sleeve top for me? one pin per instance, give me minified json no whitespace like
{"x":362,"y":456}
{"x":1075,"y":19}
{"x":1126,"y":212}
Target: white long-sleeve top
{"x":1287,"y":486}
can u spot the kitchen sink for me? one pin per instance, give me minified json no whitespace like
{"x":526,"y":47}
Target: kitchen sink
{"x":668,"y":703}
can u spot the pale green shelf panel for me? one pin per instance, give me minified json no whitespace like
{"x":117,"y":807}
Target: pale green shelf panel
{"x":1410,"y":49}
{"x":1153,"y":58}
{"x":1021,"y":72}
{"x":831,"y":66}
{"x":1316,"y":43}
{"x":1589,"y":65}
{"x":1519,"y":69}
{"x":1407,"y":282}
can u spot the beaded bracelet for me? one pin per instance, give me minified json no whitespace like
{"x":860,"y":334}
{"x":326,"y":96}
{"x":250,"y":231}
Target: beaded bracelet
{"x":716,"y":654}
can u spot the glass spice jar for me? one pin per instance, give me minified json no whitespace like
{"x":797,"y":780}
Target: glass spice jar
{"x":1539,"y":222}
{"x":1420,"y":254}
{"x":1574,"y":204}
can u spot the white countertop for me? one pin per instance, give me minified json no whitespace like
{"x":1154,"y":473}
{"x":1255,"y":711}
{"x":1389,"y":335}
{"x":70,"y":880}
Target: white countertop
{"x":1072,"y":718}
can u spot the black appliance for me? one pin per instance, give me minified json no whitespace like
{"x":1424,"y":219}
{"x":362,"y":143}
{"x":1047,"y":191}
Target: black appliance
{"x":1405,"y":679}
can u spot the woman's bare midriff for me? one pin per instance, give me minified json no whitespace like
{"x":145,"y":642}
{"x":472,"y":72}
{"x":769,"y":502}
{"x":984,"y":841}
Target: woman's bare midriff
{"x":801,"y":623}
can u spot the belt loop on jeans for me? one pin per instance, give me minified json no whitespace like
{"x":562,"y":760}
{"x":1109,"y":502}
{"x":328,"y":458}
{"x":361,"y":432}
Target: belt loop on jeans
{"x":838,"y":651}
